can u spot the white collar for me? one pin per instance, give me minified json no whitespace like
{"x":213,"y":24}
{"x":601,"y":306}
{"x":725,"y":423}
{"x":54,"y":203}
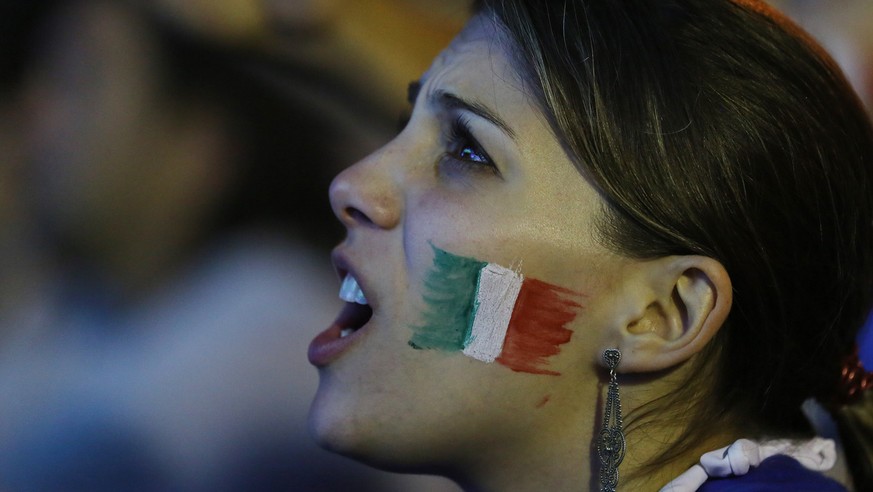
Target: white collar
{"x":817,"y":454}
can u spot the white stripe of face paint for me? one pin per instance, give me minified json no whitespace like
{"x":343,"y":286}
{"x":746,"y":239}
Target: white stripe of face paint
{"x":496,"y":294}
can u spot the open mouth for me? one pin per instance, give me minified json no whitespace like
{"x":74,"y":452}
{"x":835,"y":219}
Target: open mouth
{"x":339,"y":337}
{"x":357,"y":311}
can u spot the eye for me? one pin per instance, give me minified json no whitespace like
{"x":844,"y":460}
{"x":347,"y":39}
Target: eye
{"x":464,"y":150}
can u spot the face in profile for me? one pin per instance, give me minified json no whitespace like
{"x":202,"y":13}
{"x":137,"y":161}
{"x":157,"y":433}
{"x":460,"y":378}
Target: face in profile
{"x":473,"y":220}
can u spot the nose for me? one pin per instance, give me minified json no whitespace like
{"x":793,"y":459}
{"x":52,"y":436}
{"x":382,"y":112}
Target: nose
{"x":366,"y":195}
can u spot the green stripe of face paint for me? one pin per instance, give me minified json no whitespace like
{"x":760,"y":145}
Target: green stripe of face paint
{"x":450,"y":294}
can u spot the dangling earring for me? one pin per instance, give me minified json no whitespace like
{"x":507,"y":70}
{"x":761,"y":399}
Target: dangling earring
{"x":611,"y":444}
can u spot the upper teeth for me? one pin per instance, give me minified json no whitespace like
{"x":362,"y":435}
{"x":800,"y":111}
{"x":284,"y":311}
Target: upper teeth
{"x":350,"y":291}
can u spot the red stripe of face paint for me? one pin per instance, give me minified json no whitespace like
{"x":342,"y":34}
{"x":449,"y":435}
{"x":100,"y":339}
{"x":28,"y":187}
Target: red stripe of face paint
{"x":537,"y":326}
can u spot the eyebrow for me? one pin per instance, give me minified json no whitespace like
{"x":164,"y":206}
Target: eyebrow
{"x":453,"y":101}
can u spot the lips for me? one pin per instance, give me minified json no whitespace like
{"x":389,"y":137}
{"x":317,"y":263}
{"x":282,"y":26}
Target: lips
{"x":334,"y":341}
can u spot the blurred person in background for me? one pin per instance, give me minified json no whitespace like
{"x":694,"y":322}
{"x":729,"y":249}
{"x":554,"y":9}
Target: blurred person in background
{"x":165,"y":230}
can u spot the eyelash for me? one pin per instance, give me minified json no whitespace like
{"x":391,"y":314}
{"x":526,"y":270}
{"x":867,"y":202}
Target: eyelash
{"x":464,"y":150}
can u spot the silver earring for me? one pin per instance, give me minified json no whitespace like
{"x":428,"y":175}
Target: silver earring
{"x":611,"y":444}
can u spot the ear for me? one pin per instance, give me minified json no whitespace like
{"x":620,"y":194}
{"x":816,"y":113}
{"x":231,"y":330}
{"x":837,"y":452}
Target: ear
{"x":673,"y":308}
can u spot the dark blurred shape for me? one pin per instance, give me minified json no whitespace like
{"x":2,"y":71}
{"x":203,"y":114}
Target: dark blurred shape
{"x":164,"y":242}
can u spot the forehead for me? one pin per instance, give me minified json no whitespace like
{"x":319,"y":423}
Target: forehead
{"x":478,"y":64}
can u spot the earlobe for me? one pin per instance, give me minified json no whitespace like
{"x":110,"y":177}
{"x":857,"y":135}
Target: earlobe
{"x":683,"y":302}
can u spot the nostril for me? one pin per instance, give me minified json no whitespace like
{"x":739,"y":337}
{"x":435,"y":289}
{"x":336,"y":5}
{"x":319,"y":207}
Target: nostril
{"x":360,"y":196}
{"x":355,"y":215}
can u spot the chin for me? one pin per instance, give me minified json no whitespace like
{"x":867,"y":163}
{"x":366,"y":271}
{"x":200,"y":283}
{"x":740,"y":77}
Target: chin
{"x":331,"y":422}
{"x":337,"y":427}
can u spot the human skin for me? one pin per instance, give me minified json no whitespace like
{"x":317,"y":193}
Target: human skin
{"x":484,"y":425}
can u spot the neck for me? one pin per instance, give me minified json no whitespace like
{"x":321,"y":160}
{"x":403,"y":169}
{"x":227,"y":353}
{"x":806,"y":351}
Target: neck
{"x":558,"y":451}
{"x":552,"y":460}
{"x":656,"y":452}
{"x":647,"y":469}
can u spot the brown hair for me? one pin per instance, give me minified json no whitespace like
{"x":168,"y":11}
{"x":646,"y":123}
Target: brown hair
{"x":718,"y":128}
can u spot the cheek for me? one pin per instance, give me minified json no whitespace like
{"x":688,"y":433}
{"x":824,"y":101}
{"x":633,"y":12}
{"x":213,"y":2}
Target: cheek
{"x":539,"y":326}
{"x":469,"y":218}
{"x":493,"y":314}
{"x":519,"y":322}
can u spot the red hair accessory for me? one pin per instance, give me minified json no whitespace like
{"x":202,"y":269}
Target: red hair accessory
{"x":854,"y":379}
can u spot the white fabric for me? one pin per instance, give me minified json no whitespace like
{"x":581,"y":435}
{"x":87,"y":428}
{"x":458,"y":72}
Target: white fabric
{"x":817,"y":454}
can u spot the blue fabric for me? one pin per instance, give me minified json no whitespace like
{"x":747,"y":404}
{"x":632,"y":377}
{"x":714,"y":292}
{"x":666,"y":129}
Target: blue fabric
{"x":865,"y":344}
{"x":778,"y":473}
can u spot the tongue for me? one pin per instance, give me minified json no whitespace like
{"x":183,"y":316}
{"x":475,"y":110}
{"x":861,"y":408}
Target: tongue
{"x":352,"y":317}
{"x":355,"y":316}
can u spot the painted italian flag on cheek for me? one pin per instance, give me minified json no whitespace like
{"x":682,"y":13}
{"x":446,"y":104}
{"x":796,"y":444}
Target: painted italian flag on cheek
{"x":493,"y":313}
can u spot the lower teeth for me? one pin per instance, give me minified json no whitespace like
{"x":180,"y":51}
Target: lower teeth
{"x":346,"y":332}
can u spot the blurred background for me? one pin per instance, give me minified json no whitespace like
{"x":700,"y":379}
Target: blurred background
{"x":164,"y":226}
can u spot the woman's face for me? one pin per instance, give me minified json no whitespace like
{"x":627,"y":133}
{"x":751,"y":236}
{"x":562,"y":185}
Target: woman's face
{"x":475,"y":176}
